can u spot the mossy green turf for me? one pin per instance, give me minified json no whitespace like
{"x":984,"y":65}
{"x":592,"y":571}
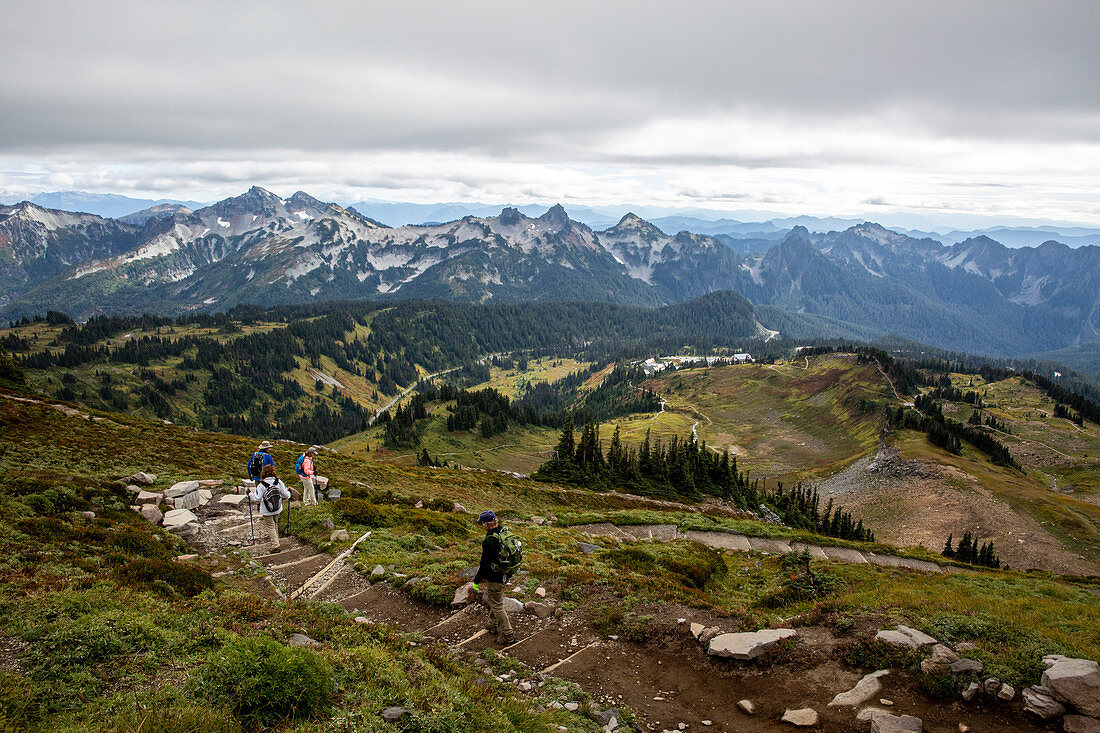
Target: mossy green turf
{"x":60,"y":586}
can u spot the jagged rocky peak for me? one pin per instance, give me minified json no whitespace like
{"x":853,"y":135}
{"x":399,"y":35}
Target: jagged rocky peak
{"x":633,"y":222}
{"x":510,"y":216}
{"x":798,"y":232}
{"x":556,"y":216}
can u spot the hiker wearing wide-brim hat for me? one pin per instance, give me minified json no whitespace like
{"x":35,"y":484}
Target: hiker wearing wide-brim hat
{"x":262,"y":457}
{"x":491,"y":572}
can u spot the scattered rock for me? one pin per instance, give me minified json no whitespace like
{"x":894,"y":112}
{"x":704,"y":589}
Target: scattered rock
{"x":419,"y":505}
{"x":513,"y":606}
{"x":802,"y":718}
{"x":587,"y":548}
{"x":151,"y":513}
{"x":572,"y":706}
{"x":887,"y":723}
{"x":458,"y":508}
{"x":964,"y":728}
{"x":971,"y":692}
{"x":186,"y":558}
{"x":524,"y":686}
{"x":748,"y":707}
{"x":535,"y":608}
{"x":965,"y":646}
{"x":965,"y":665}
{"x":749,"y":645}
{"x":609,"y":715}
{"x":1007,"y":692}
{"x":364,"y":621}
{"x":88,"y":515}
{"x":143,"y":479}
{"x":868,"y":713}
{"x":863,"y":691}
{"x":396,"y":714}
{"x":1076,"y":682}
{"x":905,"y":636}
{"x":303,"y":640}
{"x":340,"y":535}
{"x":887,"y":703}
{"x":1038,"y":701}
{"x":991,"y":686}
{"x":181,"y":489}
{"x":378,"y":570}
{"x":462,"y":595}
{"x":148,"y":497}
{"x":328,"y":524}
{"x":205,"y":495}
{"x":696,"y":629}
{"x":1080,"y":724}
{"x":540,"y":592}
{"x":940,"y":662}
{"x":539,"y":521}
{"x":179,"y":518}
{"x":211,"y":483}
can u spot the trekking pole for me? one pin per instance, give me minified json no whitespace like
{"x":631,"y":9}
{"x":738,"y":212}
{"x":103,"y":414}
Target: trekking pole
{"x":251,"y":523}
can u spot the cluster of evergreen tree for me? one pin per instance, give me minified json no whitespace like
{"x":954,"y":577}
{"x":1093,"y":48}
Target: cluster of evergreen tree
{"x":682,"y":469}
{"x":949,"y":434}
{"x":485,"y":409}
{"x":10,"y":373}
{"x":800,"y":508}
{"x":400,"y":426}
{"x":944,"y":391}
{"x":968,"y":551}
{"x":976,"y":418}
{"x":1061,"y":410}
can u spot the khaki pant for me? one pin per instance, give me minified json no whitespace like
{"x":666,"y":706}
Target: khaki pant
{"x":498,"y":619}
{"x":308,"y":497}
{"x":271,"y":528}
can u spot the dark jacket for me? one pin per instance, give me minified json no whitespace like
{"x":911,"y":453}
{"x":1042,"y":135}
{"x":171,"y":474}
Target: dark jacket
{"x":490,"y":553}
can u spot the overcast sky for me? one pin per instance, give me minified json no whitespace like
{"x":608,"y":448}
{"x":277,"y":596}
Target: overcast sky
{"x":825,"y":108}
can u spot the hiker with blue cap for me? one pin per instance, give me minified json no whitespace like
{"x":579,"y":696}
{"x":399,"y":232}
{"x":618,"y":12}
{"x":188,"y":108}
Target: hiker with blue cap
{"x":501,"y":554}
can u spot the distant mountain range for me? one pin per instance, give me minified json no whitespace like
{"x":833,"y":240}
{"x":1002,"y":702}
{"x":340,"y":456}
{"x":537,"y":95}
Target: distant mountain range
{"x":755,"y":231}
{"x":865,"y":280}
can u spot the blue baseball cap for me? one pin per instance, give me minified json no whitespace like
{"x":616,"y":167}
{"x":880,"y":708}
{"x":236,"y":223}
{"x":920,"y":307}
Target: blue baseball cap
{"x":487,"y":516}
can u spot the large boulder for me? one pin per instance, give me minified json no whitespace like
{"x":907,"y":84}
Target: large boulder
{"x":905,"y":636}
{"x":747,"y":645}
{"x":513,"y":606}
{"x":339,"y":535}
{"x":303,"y":640}
{"x":1038,"y":701}
{"x":143,"y":479}
{"x":940,"y":662}
{"x":863,"y":691}
{"x":1080,"y":724}
{"x":1075,"y":682}
{"x":179,"y":518}
{"x":181,"y":488}
{"x":188,"y":501}
{"x":541,"y":610}
{"x":148,"y":497}
{"x":966,"y":666}
{"x":152,"y":513}
{"x":887,"y":723}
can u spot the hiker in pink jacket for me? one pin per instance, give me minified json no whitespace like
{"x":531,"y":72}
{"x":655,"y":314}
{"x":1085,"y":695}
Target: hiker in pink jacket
{"x":307,"y":473}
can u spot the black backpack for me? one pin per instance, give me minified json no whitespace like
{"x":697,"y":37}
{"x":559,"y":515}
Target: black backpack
{"x":256,"y":464}
{"x":272,"y":500}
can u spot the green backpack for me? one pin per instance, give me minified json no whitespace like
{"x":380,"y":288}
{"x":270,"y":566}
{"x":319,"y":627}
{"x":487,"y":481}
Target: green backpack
{"x":511,"y":553}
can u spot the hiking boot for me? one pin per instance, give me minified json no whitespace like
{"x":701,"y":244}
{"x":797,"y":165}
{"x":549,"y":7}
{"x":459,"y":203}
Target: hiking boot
{"x":506,"y":638}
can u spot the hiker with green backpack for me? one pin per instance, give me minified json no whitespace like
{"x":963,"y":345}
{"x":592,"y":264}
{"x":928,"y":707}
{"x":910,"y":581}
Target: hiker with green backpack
{"x":501,"y":555}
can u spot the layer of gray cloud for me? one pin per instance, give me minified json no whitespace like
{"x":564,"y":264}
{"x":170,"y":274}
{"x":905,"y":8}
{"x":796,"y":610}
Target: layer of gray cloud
{"x":601,"y":85}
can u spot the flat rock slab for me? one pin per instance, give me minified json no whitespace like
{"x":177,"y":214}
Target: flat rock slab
{"x":143,"y":479}
{"x":1076,"y":682}
{"x":1039,"y":701}
{"x":178,"y":518}
{"x":905,"y":636}
{"x":181,"y":488}
{"x":747,"y":645}
{"x":764,"y":544}
{"x":802,"y":718}
{"x":719,"y":540}
{"x":864,"y":690}
{"x":233,"y":499}
{"x":886,"y":723}
{"x":148,"y":497}
{"x":151,"y":513}
{"x":815,"y":552}
{"x":844,"y":554}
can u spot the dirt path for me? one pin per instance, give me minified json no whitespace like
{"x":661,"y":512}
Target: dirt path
{"x":669,"y":681}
